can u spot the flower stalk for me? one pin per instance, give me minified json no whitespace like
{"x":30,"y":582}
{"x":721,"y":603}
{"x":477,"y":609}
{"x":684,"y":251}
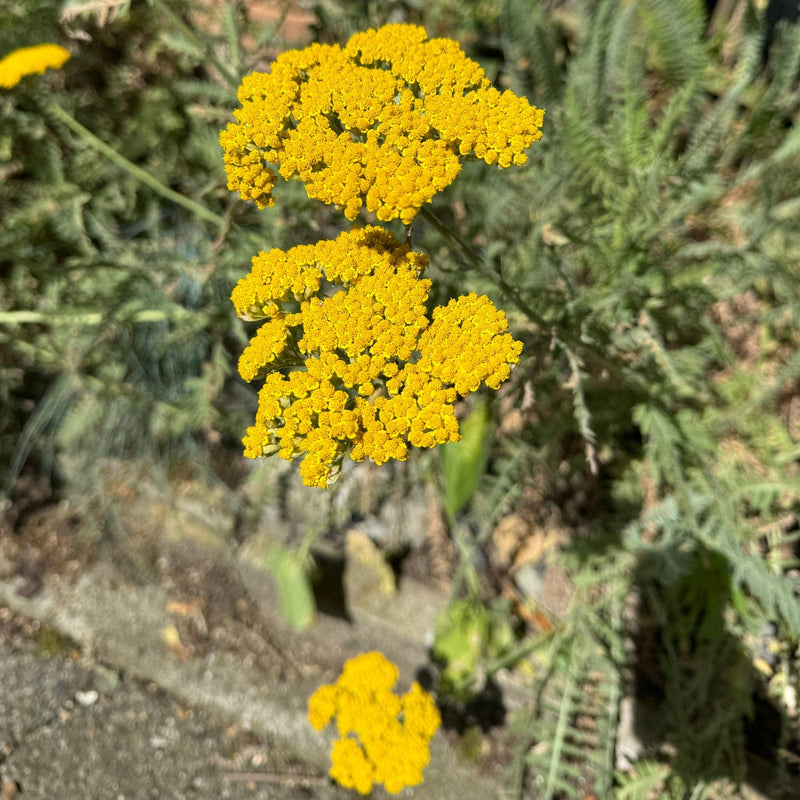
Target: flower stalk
{"x":29,"y":317}
{"x":481,"y":265}
{"x":137,"y":172}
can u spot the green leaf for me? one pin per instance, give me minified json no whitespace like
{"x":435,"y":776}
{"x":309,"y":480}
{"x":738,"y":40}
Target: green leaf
{"x":464,"y":462}
{"x":468,"y":634}
{"x":296,"y":596}
{"x":647,"y":779}
{"x":460,"y":635}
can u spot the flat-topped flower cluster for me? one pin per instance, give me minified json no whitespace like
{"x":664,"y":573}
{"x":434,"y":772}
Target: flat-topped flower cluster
{"x":364,"y":370}
{"x":382,"y":123}
{"x":353,"y":363}
{"x":384,"y":738}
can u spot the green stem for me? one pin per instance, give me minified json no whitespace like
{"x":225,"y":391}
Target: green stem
{"x":466,"y":571}
{"x":137,"y":172}
{"x":82,"y":318}
{"x":562,"y":338}
{"x":564,"y":712}
{"x":511,"y":658}
{"x":478,"y":262}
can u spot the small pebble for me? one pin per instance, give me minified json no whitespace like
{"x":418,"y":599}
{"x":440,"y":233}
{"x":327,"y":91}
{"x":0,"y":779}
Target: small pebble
{"x":9,"y":790}
{"x":87,"y":698}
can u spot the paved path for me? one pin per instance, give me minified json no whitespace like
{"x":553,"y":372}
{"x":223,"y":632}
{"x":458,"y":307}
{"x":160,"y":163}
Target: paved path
{"x":107,"y":696}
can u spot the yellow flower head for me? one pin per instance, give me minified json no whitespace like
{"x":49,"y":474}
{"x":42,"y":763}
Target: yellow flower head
{"x":351,"y":359}
{"x":30,"y":61}
{"x":381,"y":124}
{"x":384,"y":738}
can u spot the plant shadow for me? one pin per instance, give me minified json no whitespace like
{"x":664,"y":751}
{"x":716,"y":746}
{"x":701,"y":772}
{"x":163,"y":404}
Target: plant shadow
{"x":699,"y":698}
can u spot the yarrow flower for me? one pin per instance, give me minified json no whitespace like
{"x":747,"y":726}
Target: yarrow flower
{"x":381,"y":124}
{"x":30,"y":61}
{"x":384,"y":738}
{"x":362,"y":370}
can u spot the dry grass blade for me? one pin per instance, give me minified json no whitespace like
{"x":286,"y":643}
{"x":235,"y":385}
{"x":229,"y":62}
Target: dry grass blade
{"x":104,"y":11}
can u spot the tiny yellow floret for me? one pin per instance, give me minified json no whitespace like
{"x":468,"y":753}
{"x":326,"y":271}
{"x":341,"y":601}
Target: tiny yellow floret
{"x":30,"y":61}
{"x":384,"y":738}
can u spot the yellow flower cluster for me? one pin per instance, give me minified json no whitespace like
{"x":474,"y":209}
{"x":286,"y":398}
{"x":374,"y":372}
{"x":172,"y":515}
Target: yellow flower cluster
{"x":362,"y":369}
{"x":352,"y":362}
{"x":381,"y":124}
{"x":30,"y":61}
{"x":385,"y":738}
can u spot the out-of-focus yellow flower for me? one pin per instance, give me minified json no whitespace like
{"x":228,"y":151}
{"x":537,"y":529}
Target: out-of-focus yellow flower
{"x":385,"y":738}
{"x":363,"y":370}
{"x":381,"y":124}
{"x":30,"y":61}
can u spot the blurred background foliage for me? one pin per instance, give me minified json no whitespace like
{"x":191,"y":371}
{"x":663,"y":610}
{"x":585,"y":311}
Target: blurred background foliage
{"x":648,"y":256}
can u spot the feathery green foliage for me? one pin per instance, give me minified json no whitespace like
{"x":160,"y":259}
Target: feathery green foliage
{"x":567,"y":737}
{"x":657,"y":245}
